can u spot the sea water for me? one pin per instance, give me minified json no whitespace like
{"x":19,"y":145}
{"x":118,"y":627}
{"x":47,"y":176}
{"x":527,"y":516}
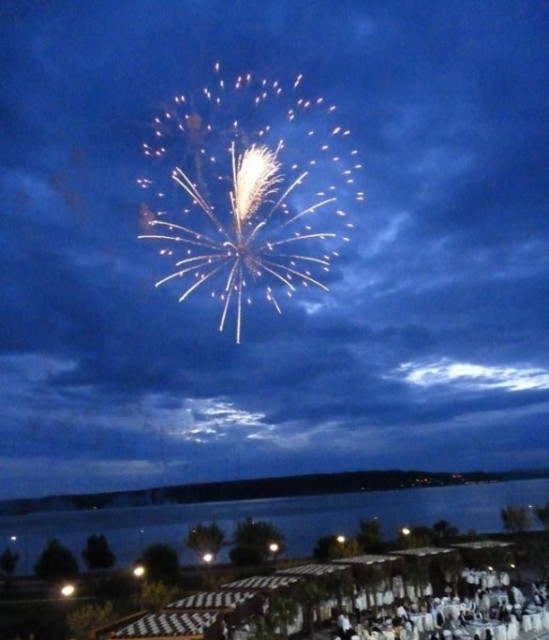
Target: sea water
{"x":302,"y":520}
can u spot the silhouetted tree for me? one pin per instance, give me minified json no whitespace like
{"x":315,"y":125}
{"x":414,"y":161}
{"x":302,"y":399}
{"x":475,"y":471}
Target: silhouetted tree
{"x":204,"y":538}
{"x":540,"y":547}
{"x":335,"y":547}
{"x":417,"y":537}
{"x":89,"y":617}
{"x":369,"y":536}
{"x":515,"y":520}
{"x":444,"y":529}
{"x":97,"y":554}
{"x":8,"y":563}
{"x":156,"y":595}
{"x":542,"y":514}
{"x":161,"y":564}
{"x":252,"y":540}
{"x":56,"y":563}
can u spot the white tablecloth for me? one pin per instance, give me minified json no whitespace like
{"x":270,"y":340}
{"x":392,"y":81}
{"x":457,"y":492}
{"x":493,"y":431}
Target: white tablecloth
{"x":423,"y":621}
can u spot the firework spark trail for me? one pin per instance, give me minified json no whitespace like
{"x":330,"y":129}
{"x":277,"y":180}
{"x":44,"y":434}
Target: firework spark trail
{"x":243,"y":172}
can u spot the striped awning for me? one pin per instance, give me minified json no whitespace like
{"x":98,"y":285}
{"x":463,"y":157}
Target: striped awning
{"x":168,"y":624}
{"x":482,"y":544}
{"x":212,"y":600}
{"x":368,"y":559}
{"x":423,"y":551}
{"x":261,"y":582}
{"x":311,"y":570}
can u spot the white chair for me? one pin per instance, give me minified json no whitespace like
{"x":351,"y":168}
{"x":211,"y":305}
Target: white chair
{"x":526,"y":623}
{"x":500,"y":632}
{"x":418,"y":623}
{"x":513,"y":631}
{"x":545,"y":619}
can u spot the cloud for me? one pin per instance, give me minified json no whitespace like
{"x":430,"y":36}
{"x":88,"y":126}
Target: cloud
{"x":474,"y":377}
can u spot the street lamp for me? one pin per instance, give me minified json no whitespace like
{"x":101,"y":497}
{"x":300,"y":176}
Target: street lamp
{"x":67,"y":590}
{"x":274,"y":549}
{"x":139,"y":571}
{"x":405,"y":531}
{"x":341,"y":539}
{"x":208,"y":558}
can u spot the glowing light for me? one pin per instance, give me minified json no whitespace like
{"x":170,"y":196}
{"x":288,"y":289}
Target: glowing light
{"x":139,"y":571}
{"x":253,"y":169}
{"x":68,"y":590}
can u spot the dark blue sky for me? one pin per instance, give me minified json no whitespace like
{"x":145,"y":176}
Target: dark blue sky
{"x":430,"y":349}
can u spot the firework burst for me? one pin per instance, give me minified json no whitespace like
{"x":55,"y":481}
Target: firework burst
{"x":278,"y":169}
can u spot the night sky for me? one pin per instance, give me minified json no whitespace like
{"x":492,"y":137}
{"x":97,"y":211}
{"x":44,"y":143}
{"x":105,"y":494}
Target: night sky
{"x":430,"y":348}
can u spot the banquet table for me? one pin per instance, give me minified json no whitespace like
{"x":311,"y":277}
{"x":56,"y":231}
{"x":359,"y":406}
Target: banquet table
{"x":498,"y":630}
{"x":422,"y":621}
{"x":545,"y":619}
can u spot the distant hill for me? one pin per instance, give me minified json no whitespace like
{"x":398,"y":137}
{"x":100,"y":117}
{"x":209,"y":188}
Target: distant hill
{"x":287,"y":486}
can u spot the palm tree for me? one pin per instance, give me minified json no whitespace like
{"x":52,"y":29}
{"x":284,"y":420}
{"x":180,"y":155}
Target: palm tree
{"x":339,"y":584}
{"x":516,"y":520}
{"x":283,"y":613}
{"x":310,"y":594}
{"x":541,"y":550}
{"x":262,"y":629}
{"x":369,"y":578}
{"x":452,"y":567}
{"x":416,"y":573}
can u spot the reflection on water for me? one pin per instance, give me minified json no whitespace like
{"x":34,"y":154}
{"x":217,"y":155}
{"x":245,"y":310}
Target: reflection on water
{"x":302,"y":520}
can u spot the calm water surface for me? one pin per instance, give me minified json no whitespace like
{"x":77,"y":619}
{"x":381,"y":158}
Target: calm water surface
{"x":301,"y":520}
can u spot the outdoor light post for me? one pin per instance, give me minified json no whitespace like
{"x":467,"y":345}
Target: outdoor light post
{"x":208,"y":558}
{"x":274,"y":549}
{"x":139,"y":572}
{"x":67,"y":590}
{"x":405,"y":533}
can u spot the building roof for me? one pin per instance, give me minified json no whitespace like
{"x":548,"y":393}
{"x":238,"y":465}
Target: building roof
{"x":159,"y":625}
{"x":261,"y":582}
{"x":367,"y":559}
{"x":212,"y":600}
{"x":423,"y":551}
{"x":311,"y":569}
{"x":482,"y":544}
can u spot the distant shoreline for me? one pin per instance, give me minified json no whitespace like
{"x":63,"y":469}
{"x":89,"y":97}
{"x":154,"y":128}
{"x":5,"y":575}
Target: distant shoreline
{"x":263,"y":488}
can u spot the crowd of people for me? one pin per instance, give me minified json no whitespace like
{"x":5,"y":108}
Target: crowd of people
{"x":498,"y":612}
